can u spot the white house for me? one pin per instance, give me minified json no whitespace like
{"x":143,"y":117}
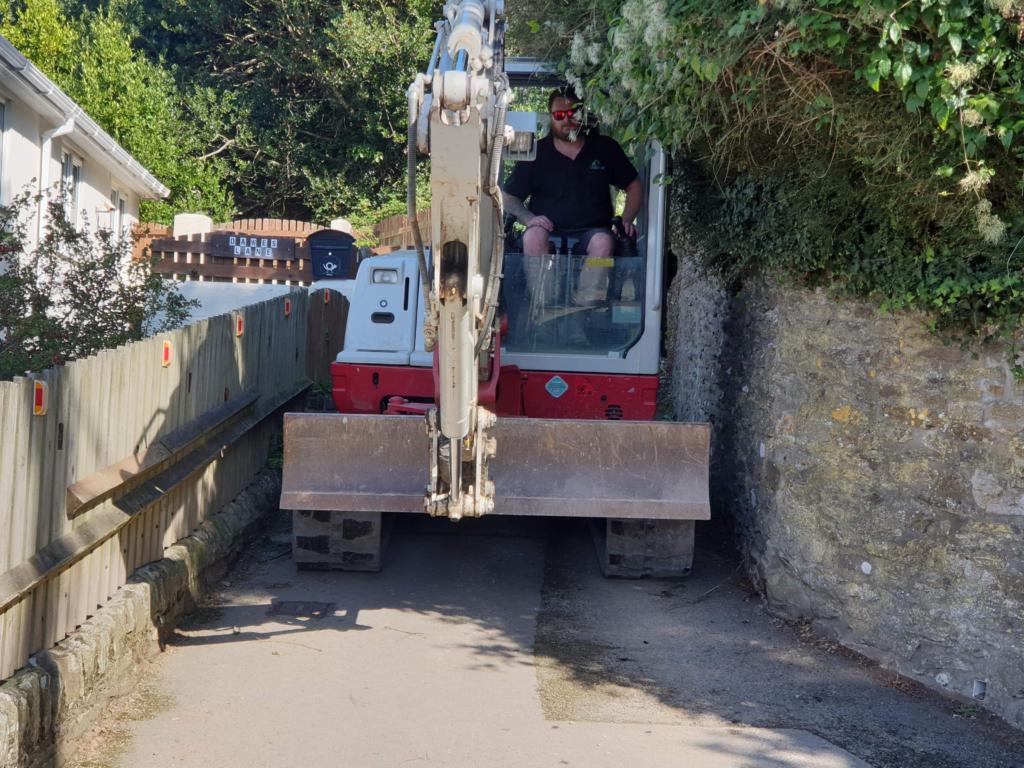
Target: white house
{"x":47,"y":140}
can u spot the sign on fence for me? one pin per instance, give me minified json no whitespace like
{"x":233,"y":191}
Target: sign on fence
{"x":251,"y":246}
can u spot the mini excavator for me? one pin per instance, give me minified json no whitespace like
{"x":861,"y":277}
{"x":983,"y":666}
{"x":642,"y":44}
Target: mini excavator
{"x":465,"y":390}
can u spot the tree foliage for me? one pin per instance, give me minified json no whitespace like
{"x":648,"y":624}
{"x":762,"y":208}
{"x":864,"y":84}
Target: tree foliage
{"x":308,"y":96}
{"x":92,"y":58}
{"x":256,"y":107}
{"x":74,"y":294}
{"x":872,"y":146}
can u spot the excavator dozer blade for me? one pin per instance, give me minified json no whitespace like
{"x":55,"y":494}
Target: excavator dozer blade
{"x":547,"y":467}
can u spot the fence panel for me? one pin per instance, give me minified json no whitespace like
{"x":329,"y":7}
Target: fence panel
{"x":396,"y":231}
{"x":9,"y":404}
{"x":328,"y":316}
{"x":194,"y":257}
{"x":123,"y":414}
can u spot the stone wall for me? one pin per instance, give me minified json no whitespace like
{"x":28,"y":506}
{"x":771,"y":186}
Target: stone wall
{"x":873,"y":477}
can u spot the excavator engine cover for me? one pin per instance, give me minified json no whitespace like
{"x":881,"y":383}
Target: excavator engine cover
{"x":546,"y":467}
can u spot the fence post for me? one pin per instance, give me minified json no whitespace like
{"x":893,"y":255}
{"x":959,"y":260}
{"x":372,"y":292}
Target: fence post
{"x":342,"y":225}
{"x":192,"y":224}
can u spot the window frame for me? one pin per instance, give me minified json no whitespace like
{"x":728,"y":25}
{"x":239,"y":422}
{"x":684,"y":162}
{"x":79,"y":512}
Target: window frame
{"x":71,"y":175}
{"x":118,"y":213}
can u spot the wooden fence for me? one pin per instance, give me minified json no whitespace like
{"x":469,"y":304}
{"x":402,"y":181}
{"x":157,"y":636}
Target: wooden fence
{"x":108,"y":460}
{"x":279,"y":252}
{"x":325,"y":333}
{"x":396,"y":231}
{"x":200,"y":257}
{"x":146,"y":233}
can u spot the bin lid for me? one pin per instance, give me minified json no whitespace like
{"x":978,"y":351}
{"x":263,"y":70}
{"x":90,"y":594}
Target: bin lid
{"x":330,"y":238}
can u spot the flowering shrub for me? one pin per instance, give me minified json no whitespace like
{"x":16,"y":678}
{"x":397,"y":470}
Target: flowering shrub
{"x":904,"y":119}
{"x":75,"y":292}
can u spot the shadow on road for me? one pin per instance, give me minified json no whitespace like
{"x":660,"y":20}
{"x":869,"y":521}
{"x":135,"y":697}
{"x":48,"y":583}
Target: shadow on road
{"x":700,"y":651}
{"x":705,"y":647}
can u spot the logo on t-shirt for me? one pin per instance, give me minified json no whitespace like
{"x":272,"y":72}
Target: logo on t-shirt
{"x":597,"y":165}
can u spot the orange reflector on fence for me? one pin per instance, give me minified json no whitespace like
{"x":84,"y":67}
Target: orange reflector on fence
{"x":165,"y":361}
{"x":40,"y":398}
{"x":239,"y":324}
{"x":287,"y":307}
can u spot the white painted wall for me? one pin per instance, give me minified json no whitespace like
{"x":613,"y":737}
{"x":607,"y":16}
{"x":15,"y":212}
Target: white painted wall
{"x":94,"y":196}
{"x":19,"y":161}
{"x":20,"y":168}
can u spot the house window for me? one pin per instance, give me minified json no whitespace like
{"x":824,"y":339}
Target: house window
{"x":118,"y":209}
{"x":71,"y":185}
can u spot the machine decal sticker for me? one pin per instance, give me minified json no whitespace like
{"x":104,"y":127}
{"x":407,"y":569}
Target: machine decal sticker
{"x":556,"y":386}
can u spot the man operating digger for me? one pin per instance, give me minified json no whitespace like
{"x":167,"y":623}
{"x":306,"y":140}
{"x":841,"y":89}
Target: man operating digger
{"x":566,"y":190}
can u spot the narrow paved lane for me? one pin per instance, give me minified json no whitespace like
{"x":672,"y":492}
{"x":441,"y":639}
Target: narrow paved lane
{"x":498,"y":645}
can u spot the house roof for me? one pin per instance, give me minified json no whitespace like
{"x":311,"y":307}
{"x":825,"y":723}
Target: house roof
{"x":41,"y":94}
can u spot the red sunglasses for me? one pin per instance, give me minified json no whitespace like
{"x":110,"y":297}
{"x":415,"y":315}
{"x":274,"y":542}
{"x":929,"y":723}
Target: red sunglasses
{"x":563,"y":114}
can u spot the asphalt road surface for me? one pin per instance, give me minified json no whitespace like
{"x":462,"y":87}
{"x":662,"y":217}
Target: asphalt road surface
{"x":498,"y":643}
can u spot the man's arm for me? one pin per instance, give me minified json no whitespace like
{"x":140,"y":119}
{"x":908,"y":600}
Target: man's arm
{"x":634,"y":202}
{"x":515,"y":206}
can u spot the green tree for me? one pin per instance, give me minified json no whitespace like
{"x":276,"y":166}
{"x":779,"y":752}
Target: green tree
{"x":134,"y":99}
{"x":41,"y":30}
{"x":309,"y":95}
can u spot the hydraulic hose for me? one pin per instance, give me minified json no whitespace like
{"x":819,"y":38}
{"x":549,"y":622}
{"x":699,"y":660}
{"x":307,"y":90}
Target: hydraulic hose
{"x":498,"y":245}
{"x":429,"y":331}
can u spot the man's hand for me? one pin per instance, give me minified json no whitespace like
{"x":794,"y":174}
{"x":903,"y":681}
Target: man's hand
{"x":623,"y":227}
{"x":541,"y":221}
{"x":634,"y":201}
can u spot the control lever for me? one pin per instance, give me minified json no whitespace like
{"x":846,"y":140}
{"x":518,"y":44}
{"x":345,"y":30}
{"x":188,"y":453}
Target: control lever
{"x":625,"y":245}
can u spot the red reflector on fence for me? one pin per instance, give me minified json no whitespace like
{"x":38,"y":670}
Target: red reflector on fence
{"x":327,"y":296}
{"x":287,"y":307}
{"x":165,"y":361}
{"x":40,"y":398}
{"x":239,"y":324}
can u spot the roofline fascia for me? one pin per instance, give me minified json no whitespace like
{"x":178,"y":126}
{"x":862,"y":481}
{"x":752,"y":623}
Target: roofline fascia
{"x":48,"y":92}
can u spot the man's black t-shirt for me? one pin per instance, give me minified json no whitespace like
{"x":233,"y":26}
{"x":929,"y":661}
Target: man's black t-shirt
{"x":574,"y":194}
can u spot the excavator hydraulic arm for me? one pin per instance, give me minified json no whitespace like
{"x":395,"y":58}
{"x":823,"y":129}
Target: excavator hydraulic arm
{"x":461,"y":125}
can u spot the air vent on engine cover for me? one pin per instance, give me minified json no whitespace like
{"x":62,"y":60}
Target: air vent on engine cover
{"x":613,"y":412}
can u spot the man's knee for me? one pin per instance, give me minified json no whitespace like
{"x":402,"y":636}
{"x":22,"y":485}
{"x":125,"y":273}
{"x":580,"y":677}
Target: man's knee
{"x":601,"y":245}
{"x":535,"y":241}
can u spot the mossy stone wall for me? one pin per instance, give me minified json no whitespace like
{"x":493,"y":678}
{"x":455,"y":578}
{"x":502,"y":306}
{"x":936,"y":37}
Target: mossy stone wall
{"x":872,"y":476}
